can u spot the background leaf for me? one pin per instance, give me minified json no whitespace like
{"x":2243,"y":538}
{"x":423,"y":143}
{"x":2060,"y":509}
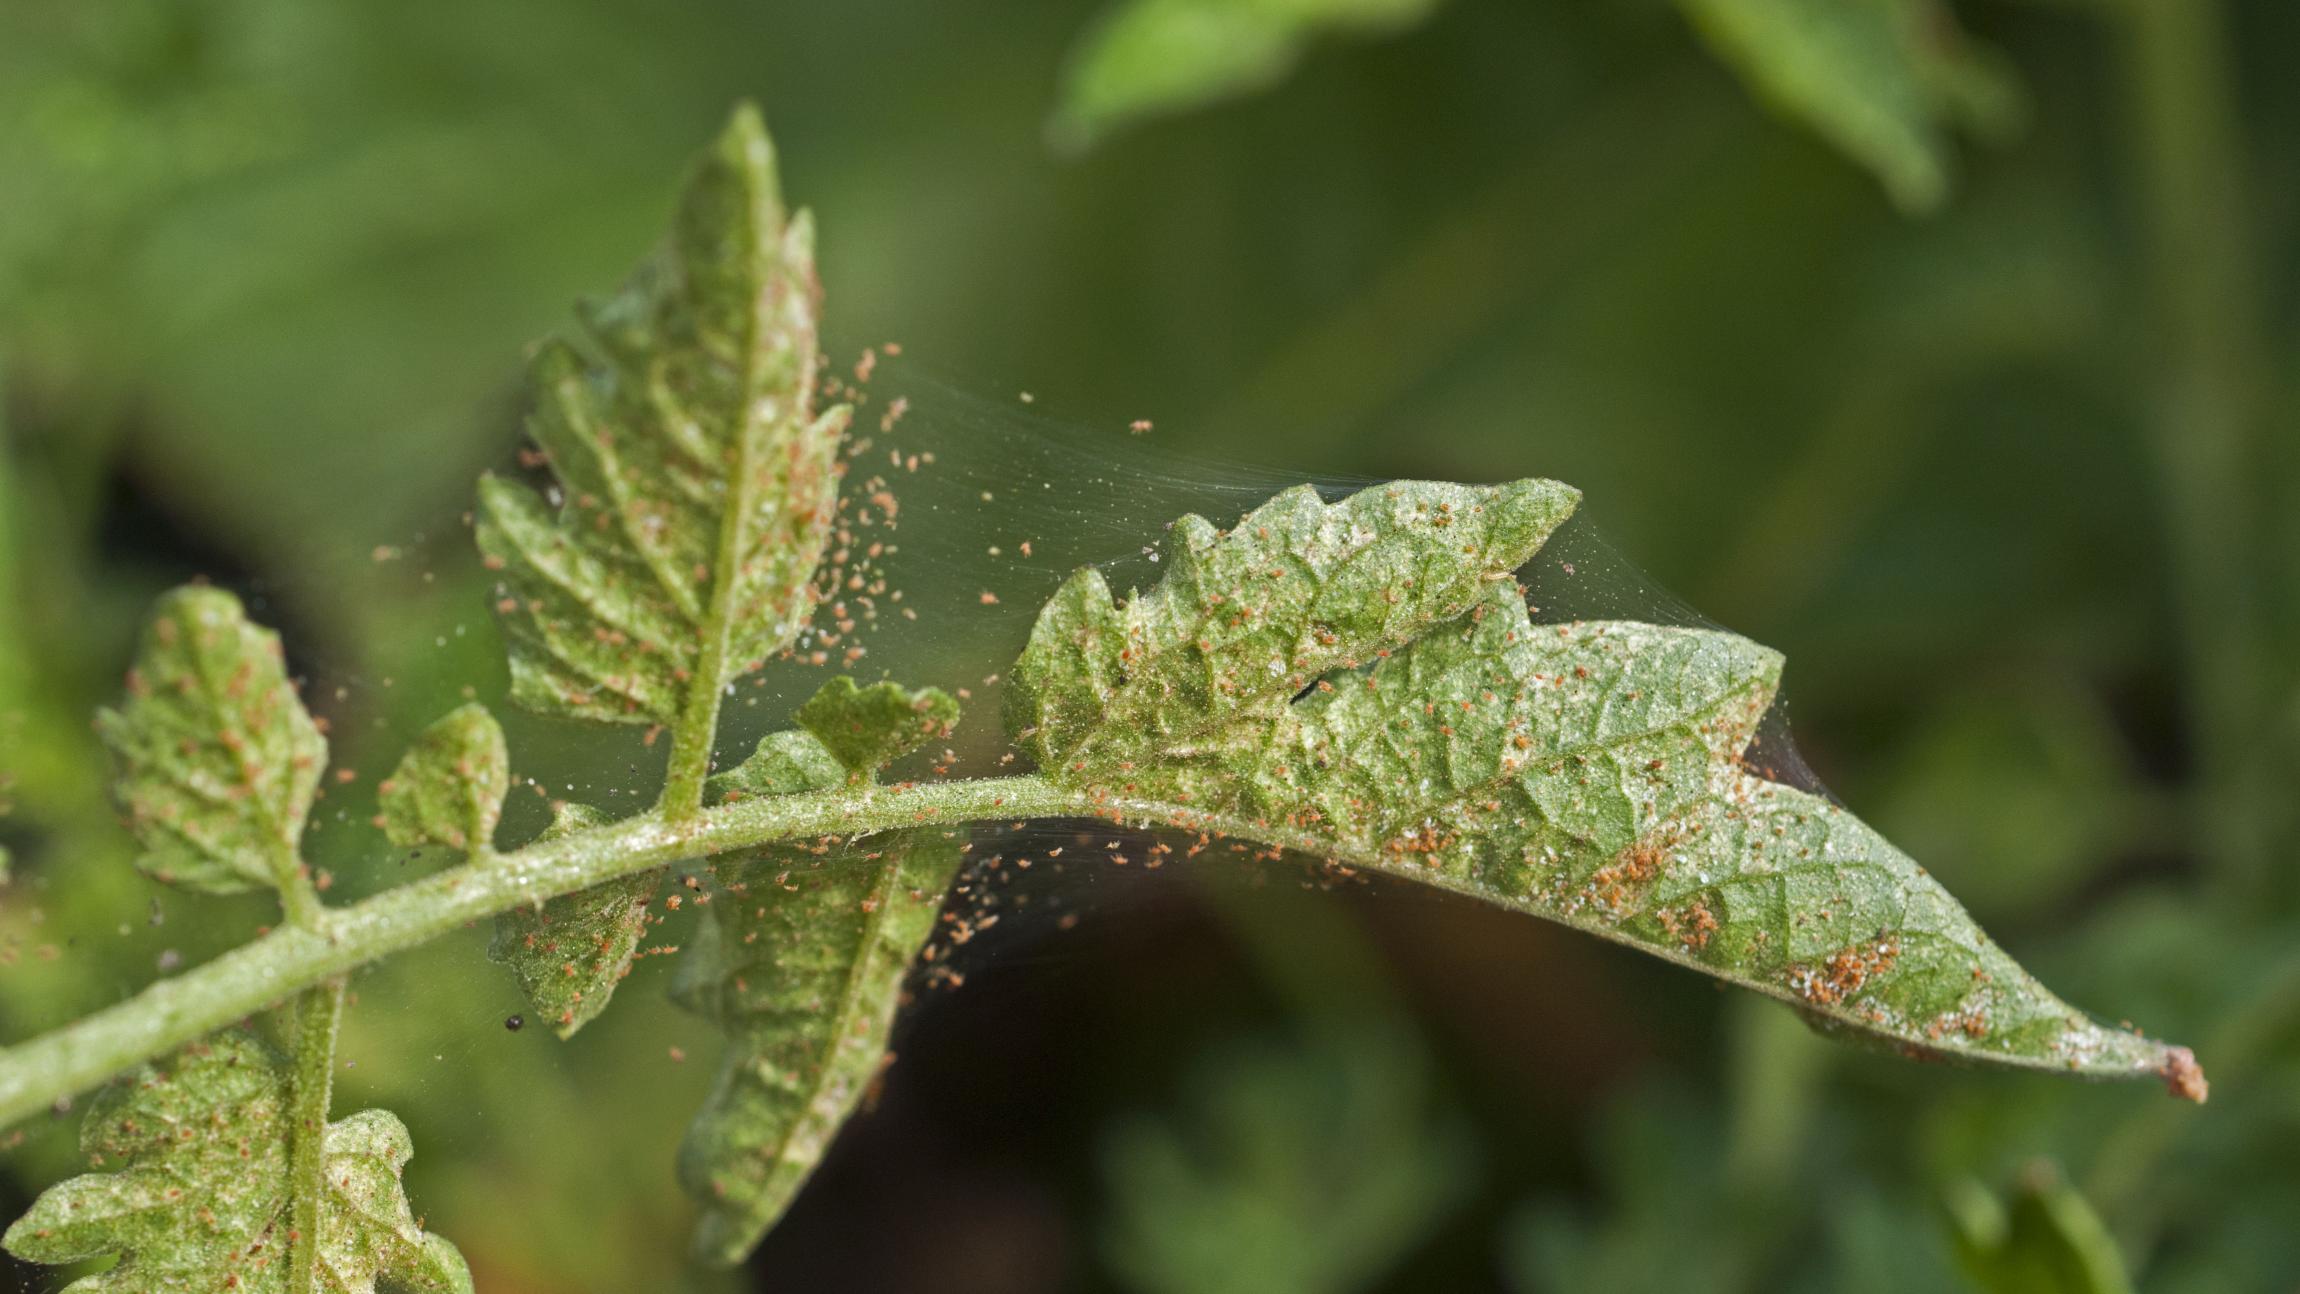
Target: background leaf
{"x":1307,"y":1166}
{"x":1146,"y":58}
{"x":1881,"y":79}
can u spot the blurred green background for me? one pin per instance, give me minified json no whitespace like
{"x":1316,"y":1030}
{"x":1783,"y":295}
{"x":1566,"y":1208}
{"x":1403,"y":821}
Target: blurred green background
{"x":1958,"y":361}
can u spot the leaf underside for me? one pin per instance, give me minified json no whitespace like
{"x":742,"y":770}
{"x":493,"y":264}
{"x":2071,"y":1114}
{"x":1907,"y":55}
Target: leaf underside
{"x":1589,"y":772}
{"x":800,"y":961}
{"x":865,"y":728}
{"x":217,"y":761}
{"x":569,"y":953}
{"x":196,"y":1196}
{"x":448,"y":788}
{"x":696,"y":484}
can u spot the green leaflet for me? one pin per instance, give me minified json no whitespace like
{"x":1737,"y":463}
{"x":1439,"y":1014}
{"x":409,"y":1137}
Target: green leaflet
{"x":865,"y":728}
{"x":196,"y":1195}
{"x":1879,"y":79}
{"x":800,"y":961}
{"x":217,"y":760}
{"x":785,"y":763}
{"x":570,"y":953}
{"x":1245,"y":619}
{"x":448,"y":788}
{"x":697,"y":482}
{"x":1153,"y":57}
{"x":1588,"y":772}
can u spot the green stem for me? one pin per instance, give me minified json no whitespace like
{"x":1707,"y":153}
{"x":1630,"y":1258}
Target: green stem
{"x":174,"y":1012}
{"x":299,"y":898}
{"x":294,"y":957}
{"x":319,"y":1012}
{"x":2189,"y":160}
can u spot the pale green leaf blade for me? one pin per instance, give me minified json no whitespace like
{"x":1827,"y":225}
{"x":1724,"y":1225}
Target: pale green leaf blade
{"x":1882,"y":80}
{"x":696,"y":481}
{"x":1246,"y":618}
{"x":1590,"y":773}
{"x":217,"y":759}
{"x":569,"y":953}
{"x":865,"y":728}
{"x":1785,"y":892}
{"x":196,"y":1192}
{"x":785,"y":763}
{"x":448,"y":788}
{"x":801,"y":962}
{"x":1149,"y":58}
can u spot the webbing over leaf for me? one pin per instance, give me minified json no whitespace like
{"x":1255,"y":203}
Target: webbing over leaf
{"x":1587,"y":772}
{"x":800,"y":960}
{"x":570,"y":952}
{"x":696,"y":481}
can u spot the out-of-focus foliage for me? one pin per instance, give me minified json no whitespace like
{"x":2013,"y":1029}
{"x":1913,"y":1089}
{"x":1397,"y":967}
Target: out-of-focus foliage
{"x":2011,"y":485}
{"x":1147,"y":57}
{"x":1307,"y":1165}
{"x":1880,"y":79}
{"x":2045,"y":1240}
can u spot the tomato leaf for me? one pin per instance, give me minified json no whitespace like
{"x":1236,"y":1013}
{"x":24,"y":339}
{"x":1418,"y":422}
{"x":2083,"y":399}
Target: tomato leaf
{"x":696,"y":481}
{"x":1286,"y":691}
{"x":448,"y":788}
{"x":570,"y":952}
{"x":197,"y":1194}
{"x":217,"y":759}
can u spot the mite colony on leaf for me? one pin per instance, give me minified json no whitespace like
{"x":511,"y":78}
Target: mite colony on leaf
{"x":1357,"y":681}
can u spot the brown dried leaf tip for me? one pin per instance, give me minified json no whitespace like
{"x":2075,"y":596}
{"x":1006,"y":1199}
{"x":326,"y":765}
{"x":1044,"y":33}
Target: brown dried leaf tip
{"x":2183,"y":1077}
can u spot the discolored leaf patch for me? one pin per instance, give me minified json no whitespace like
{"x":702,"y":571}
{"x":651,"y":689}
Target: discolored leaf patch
{"x":800,"y":961}
{"x":1246,"y":618}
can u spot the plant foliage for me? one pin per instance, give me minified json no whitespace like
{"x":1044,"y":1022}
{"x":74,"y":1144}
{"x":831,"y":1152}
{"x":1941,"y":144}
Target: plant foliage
{"x":196,"y":1190}
{"x":1359,"y":679}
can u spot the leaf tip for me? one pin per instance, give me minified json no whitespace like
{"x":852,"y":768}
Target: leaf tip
{"x":2183,"y":1077}
{"x":745,"y":153}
